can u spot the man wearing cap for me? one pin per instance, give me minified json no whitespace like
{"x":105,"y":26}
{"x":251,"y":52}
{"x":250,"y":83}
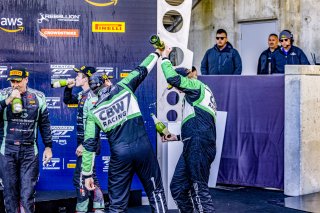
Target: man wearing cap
{"x":117,"y":113}
{"x":18,"y":140}
{"x":86,"y":95}
{"x":189,"y":185}
{"x":287,"y":54}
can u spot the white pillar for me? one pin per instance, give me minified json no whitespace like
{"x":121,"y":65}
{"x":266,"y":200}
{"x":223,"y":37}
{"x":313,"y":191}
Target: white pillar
{"x":302,"y":130}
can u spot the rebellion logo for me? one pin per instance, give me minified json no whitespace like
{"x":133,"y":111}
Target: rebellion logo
{"x":60,"y":17}
{"x":108,"y":27}
{"x":103,"y":4}
{"x":11,"y":25}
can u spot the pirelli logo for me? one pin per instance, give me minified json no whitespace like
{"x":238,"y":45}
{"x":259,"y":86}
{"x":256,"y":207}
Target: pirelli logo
{"x":15,"y":72}
{"x":71,"y":165}
{"x":124,"y":74}
{"x":108,"y":27}
{"x":72,"y":105}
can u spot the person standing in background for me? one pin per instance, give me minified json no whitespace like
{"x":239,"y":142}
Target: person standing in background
{"x":287,"y":54}
{"x":264,"y":63}
{"x":222,"y":59}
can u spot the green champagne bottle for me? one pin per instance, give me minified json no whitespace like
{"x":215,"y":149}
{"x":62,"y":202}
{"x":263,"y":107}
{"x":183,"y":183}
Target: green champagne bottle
{"x":160,"y":127}
{"x":156,"y":42}
{"x":59,"y":83}
{"x":16,"y":105}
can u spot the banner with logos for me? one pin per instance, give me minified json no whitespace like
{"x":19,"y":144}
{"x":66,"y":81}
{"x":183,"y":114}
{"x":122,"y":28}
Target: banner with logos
{"x":50,"y":38}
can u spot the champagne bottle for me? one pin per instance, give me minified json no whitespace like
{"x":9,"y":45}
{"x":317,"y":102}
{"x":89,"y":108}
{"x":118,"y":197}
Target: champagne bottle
{"x":160,"y":127}
{"x":156,"y":42}
{"x":59,"y":83}
{"x":16,"y":105}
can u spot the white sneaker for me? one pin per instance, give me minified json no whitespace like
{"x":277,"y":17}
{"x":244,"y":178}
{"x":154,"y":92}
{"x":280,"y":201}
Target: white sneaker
{"x":99,"y":211}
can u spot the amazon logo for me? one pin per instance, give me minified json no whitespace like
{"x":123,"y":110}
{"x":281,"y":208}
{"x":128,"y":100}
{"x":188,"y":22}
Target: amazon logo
{"x":11,"y":25}
{"x":102,"y":4}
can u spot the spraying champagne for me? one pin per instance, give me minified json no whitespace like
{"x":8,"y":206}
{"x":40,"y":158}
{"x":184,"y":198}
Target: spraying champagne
{"x":158,"y":44}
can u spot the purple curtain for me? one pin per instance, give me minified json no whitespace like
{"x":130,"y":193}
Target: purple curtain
{"x":253,"y":150}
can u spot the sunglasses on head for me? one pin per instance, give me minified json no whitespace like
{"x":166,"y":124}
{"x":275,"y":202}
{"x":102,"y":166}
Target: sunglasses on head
{"x":285,"y":39}
{"x":220,"y":38}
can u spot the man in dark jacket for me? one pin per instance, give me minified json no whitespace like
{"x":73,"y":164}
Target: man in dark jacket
{"x":117,"y":114}
{"x":287,"y":54}
{"x":189,"y":185}
{"x":222,"y":59}
{"x":18,"y":141}
{"x":264,"y":63}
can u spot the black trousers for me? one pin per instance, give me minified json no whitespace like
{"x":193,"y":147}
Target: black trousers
{"x":189,"y":185}
{"x":127,"y":159}
{"x":20,"y":171}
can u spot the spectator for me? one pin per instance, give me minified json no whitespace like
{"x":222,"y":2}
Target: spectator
{"x":264,"y":63}
{"x":222,"y":59}
{"x":287,"y":54}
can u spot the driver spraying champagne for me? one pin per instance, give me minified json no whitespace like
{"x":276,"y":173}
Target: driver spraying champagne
{"x":117,"y":114}
{"x":189,"y":185}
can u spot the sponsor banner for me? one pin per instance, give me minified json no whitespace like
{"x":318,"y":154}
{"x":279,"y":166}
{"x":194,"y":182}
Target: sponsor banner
{"x":62,"y":33}
{"x":56,"y":56}
{"x":108,"y":70}
{"x":53,"y":102}
{"x":71,"y":164}
{"x":103,"y":3}
{"x":72,"y":105}
{"x":61,"y":71}
{"x":60,"y":134}
{"x":108,"y":27}
{"x":59,"y":17}
{"x":106,"y":163}
{"x":124,"y":73}
{"x":3,"y":71}
{"x":11,"y":25}
{"x":54,"y":164}
{"x":103,"y":136}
